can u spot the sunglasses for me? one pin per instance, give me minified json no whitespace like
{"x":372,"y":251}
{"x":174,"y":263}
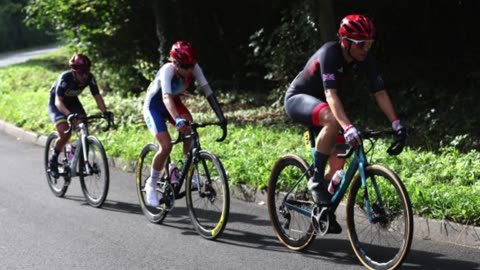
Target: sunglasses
{"x":185,"y":66}
{"x":362,"y":43}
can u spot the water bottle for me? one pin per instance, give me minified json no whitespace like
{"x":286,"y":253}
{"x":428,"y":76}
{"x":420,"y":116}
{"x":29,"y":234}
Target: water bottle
{"x":69,"y":150}
{"x":174,"y":173}
{"x":337,"y":177}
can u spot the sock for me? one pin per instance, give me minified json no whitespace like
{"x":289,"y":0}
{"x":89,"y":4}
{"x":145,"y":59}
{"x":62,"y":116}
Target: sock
{"x":320,"y":163}
{"x":55,"y":153}
{"x":155,"y":175}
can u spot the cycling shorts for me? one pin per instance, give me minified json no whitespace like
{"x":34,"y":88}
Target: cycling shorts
{"x":306,"y":109}
{"x":156,"y":115}
{"x":56,"y":117}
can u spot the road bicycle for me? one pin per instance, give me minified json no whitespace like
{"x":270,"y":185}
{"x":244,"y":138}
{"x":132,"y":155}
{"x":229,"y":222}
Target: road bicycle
{"x":378,"y":210}
{"x":206,"y":185}
{"x":88,"y":162}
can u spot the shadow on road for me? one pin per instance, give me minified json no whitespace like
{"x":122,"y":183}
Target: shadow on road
{"x":330,"y":249}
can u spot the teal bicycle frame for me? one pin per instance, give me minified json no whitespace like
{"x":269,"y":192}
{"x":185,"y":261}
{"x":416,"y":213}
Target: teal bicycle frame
{"x":358,"y":163}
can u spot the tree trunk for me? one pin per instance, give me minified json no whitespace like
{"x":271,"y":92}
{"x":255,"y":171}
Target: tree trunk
{"x":160,"y":12}
{"x":326,"y":20}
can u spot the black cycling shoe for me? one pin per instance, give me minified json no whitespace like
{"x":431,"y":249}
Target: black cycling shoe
{"x":52,"y":164}
{"x":334,"y":227}
{"x":320,"y":194}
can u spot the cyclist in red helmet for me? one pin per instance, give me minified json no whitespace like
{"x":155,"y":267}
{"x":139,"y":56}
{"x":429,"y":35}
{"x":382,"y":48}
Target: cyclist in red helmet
{"x":163,"y":102}
{"x":64,"y":101}
{"x":313,"y":100}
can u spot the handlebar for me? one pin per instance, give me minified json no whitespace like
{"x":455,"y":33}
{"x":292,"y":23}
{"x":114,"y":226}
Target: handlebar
{"x":195,"y":126}
{"x":71,"y":118}
{"x":395,"y":148}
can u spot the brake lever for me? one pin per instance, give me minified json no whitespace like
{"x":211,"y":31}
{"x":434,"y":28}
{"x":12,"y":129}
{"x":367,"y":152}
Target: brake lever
{"x":396,"y":148}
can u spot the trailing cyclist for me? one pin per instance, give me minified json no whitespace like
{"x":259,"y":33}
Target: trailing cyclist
{"x":64,"y":102}
{"x":305,"y":102}
{"x":163,"y":102}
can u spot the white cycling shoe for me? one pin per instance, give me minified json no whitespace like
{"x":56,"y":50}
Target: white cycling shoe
{"x":151,"y":191}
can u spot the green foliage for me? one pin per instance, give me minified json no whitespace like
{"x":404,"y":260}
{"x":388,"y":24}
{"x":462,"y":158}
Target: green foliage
{"x":14,"y":34}
{"x":285,"y":50}
{"x":92,"y":27}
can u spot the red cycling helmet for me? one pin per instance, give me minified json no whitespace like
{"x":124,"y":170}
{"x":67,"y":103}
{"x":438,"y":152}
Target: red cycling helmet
{"x":356,"y":27}
{"x":79,"y":62}
{"x":183,"y":53}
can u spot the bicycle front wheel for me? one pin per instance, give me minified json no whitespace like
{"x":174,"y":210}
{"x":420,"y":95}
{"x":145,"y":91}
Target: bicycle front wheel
{"x":208,"y":196}
{"x":381,"y":230}
{"x":94,"y":173}
{"x":144,"y":164}
{"x":289,"y":205}
{"x":58,"y":185}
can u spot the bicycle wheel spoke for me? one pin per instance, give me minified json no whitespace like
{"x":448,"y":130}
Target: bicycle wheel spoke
{"x":57,"y":185}
{"x":94,"y":173}
{"x":292,"y":227}
{"x":153,"y":214}
{"x":209,"y":200}
{"x":384,"y":238}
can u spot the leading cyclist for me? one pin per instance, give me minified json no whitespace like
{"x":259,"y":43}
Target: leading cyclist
{"x":312,"y":98}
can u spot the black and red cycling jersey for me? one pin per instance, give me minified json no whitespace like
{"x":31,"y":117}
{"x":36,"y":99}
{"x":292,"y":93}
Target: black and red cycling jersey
{"x":327,"y":67}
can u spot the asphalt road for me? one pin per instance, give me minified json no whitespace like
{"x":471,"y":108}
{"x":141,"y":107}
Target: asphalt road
{"x":10,"y":58}
{"x":41,"y":231}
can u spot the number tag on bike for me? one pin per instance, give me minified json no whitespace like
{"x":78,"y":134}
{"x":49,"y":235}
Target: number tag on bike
{"x":306,"y":139}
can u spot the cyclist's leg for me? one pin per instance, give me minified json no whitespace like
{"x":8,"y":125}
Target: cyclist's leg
{"x":334,"y":162}
{"x":323,"y":147}
{"x":312,"y":111}
{"x":60,"y":122}
{"x":156,"y":125}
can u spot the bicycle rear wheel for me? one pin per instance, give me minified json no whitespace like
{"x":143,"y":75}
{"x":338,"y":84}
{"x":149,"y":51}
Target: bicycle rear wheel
{"x":58,"y":185}
{"x":95,"y":182}
{"x":384,"y":242}
{"x":293,"y":228}
{"x":153,"y":214}
{"x":208,"y":198}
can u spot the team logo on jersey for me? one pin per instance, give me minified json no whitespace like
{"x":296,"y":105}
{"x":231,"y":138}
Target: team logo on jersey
{"x":328,"y":77}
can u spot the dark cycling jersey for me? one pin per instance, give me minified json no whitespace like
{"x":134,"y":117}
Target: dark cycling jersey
{"x":327,"y":66}
{"x":326,"y":69}
{"x":67,"y":87}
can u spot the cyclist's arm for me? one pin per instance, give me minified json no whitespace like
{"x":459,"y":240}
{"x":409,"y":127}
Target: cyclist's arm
{"x":383,"y":101}
{"x":336,"y":106}
{"x":100,"y":102}
{"x":212,"y":100}
{"x":61,"y":105}
{"x":207,"y":91}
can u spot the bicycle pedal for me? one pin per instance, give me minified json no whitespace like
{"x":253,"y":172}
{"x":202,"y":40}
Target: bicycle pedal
{"x":166,"y":204}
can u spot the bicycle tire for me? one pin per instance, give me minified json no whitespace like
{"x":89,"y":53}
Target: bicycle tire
{"x":153,"y":214}
{"x":58,"y":185}
{"x":95,"y":185}
{"x":293,"y":229}
{"x":393,"y":218}
{"x":209,"y":202}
